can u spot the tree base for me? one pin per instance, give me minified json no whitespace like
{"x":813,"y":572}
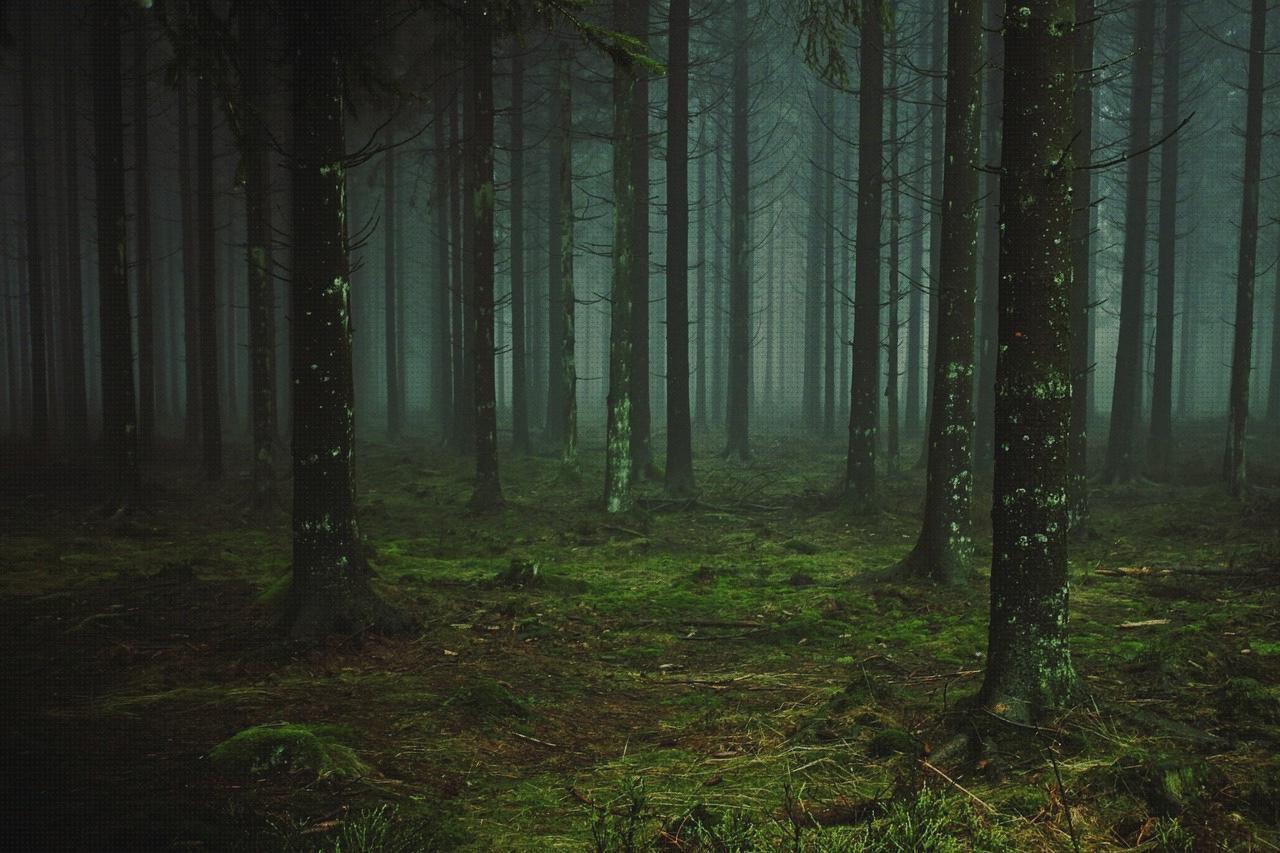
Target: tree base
{"x":311,"y":615}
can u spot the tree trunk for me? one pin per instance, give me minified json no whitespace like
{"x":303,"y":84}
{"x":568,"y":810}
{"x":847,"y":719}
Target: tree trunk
{"x":937,"y":121}
{"x":1273,"y":379}
{"x":738,"y":399}
{"x":442,"y":348}
{"x":944,"y":551}
{"x":519,"y":347}
{"x":566,"y":301}
{"x":260,"y":282}
{"x":211,"y":416}
{"x":864,"y":397}
{"x":1081,"y":261}
{"x":1126,"y":391}
{"x":915,"y":342}
{"x":232,"y":344}
{"x":618,"y":443}
{"x":717,"y":291}
{"x":1233,"y":464}
{"x":641,"y":416}
{"x":895,"y":294}
{"x":463,"y":388}
{"x":810,"y":403}
{"x":679,"y":474}
{"x":190,"y":286}
{"x":700,"y":417}
{"x":77,"y":403}
{"x":1029,"y":668}
{"x":330,"y":589}
{"x":829,"y":268}
{"x":119,"y":417}
{"x":391,"y":348}
{"x":1161,"y":446}
{"x":479,"y":190}
{"x":142,"y":223}
{"x":988,"y":288}
{"x":36,"y":284}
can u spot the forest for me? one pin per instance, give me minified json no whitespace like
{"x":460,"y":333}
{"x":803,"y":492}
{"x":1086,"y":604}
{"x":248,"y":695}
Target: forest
{"x":623,"y":425}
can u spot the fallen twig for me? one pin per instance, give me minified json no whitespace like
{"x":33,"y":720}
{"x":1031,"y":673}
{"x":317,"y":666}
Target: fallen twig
{"x":959,"y":787}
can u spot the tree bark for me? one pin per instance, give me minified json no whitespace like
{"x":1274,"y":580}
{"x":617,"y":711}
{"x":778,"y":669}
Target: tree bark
{"x":190,"y":285}
{"x":142,"y":224}
{"x":1120,"y":463}
{"x":1081,"y":261}
{"x":944,"y":551}
{"x":619,"y":457}
{"x":519,"y":347}
{"x":829,"y":268}
{"x":1161,"y":447}
{"x":1233,"y":461}
{"x":864,"y":397}
{"x":989,"y":284}
{"x":36,"y":284}
{"x":566,"y":301}
{"x":737,"y":412}
{"x":641,"y":414}
{"x":937,"y":126}
{"x":390,"y":308}
{"x":77,"y":402}
{"x":700,"y":366}
{"x":479,"y":190}
{"x":810,"y":400}
{"x":679,"y":473}
{"x":1029,"y":668}
{"x":895,"y":294}
{"x":442,"y":348}
{"x":119,"y":418}
{"x":210,"y":410}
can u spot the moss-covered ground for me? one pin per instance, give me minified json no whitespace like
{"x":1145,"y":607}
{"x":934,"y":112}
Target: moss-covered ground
{"x":731,"y":673}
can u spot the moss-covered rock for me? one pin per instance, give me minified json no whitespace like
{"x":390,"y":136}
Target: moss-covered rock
{"x":288,"y":748}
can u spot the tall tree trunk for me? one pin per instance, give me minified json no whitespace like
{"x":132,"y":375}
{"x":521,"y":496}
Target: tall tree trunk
{"x":895,"y":293}
{"x":77,"y":403}
{"x":700,"y":366}
{"x":1120,"y":463}
{"x":232,"y":344}
{"x":330,"y":589}
{"x":988,"y":287}
{"x":556,"y":404}
{"x":829,"y":269}
{"x":641,"y":415}
{"x":944,"y":551}
{"x":1081,"y":261}
{"x":717,"y":292}
{"x":190,"y":285}
{"x":463,"y":383}
{"x":1161,"y":447}
{"x":36,"y":284}
{"x":1273,"y":378}
{"x":618,"y":467}
{"x":937,"y":123}
{"x":1233,"y":464}
{"x":442,"y":348}
{"x":770,"y":331}
{"x":915,"y":342}
{"x":519,"y":348}
{"x":864,"y":397}
{"x":679,"y":474}
{"x":119,"y":415}
{"x":479,"y":190}
{"x":566,"y":300}
{"x":841,"y":305}
{"x":390,"y":308}
{"x":738,"y":399}
{"x":1186,"y":339}
{"x":211,"y":415}
{"x":260,"y":281}
{"x":142,"y":224}
{"x":811,"y":402}
{"x":1029,"y":666}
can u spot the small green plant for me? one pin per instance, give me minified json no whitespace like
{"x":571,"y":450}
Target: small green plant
{"x":1168,"y":835}
{"x":617,"y":824}
{"x":381,"y":829}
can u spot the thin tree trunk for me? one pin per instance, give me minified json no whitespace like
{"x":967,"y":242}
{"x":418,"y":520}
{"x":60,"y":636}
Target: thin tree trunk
{"x":1273,"y":379}
{"x":915,"y":342}
{"x":77,"y":403}
{"x":864,"y":397}
{"x":811,"y":403}
{"x":119,"y":417}
{"x":190,"y":285}
{"x":390,"y":308}
{"x":829,"y":269}
{"x":566,"y":301}
{"x":479,"y":191}
{"x":211,"y":414}
{"x":36,"y":284}
{"x":442,"y":349}
{"x":618,"y":447}
{"x":260,"y":281}
{"x":895,"y":292}
{"x":463,"y":396}
{"x":1125,"y":398}
{"x":641,"y":415}
{"x":988,"y":282}
{"x":519,"y":347}
{"x":1233,"y":462}
{"x":142,"y":224}
{"x":1081,"y":261}
{"x":717,"y":293}
{"x":944,"y":551}
{"x":233,"y":343}
{"x":936,"y":132}
{"x":737,"y":412}
{"x":700,"y":417}
{"x":679,"y":474}
{"x":1029,"y":668}
{"x":1161,"y":447}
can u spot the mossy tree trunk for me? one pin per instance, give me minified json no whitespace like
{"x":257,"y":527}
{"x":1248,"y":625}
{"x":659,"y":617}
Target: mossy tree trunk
{"x":937,"y":127}
{"x":737,"y":412}
{"x":330,"y":588}
{"x":479,"y":190}
{"x":679,"y":473}
{"x":618,"y":467}
{"x":864,"y":396}
{"x":988,"y":280}
{"x":261,"y":281}
{"x":1029,"y":669}
{"x":119,"y":413}
{"x":641,"y":415}
{"x":1160,"y":453}
{"x":1081,"y":261}
{"x":944,"y":551}
{"x":1120,"y":463}
{"x":1233,"y":464}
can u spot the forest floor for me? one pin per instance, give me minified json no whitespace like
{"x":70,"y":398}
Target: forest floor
{"x":731,"y":673}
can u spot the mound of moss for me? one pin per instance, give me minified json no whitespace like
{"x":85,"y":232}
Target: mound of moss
{"x":289,"y":748}
{"x":488,"y":699}
{"x":1167,"y":782}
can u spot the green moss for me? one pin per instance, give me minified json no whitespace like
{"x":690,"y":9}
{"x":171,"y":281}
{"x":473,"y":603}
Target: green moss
{"x":488,"y":699}
{"x":290,"y":748}
{"x":891,"y":741}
